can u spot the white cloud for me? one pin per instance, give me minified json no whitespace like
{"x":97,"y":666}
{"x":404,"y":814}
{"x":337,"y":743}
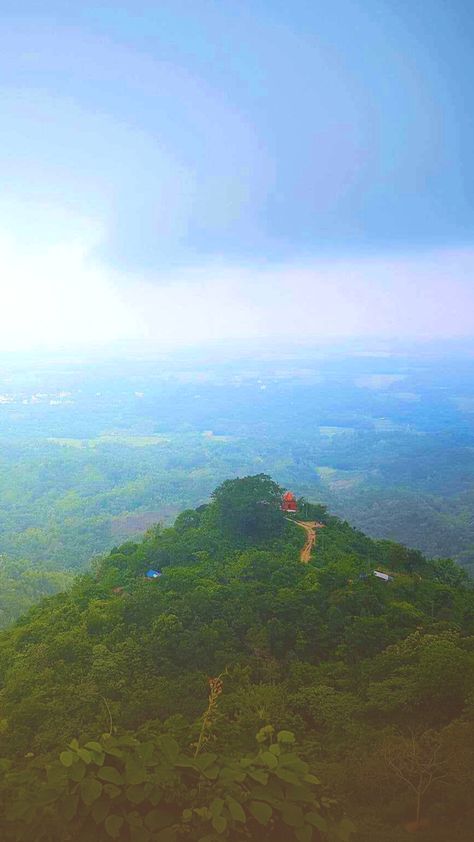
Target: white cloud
{"x":54,"y":296}
{"x":57,"y":294}
{"x":428,"y":295}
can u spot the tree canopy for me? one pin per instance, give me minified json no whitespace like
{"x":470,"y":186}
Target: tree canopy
{"x":130,"y":707}
{"x":248,"y":509}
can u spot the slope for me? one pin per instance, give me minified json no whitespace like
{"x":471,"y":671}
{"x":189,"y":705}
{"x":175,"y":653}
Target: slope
{"x":348,"y":664}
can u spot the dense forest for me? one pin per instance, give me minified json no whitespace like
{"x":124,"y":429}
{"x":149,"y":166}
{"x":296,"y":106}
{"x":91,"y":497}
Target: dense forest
{"x":94,"y":453}
{"x":240,"y":694}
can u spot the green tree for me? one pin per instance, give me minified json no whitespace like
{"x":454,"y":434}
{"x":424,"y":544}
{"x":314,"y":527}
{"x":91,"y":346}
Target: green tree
{"x":248,"y":509}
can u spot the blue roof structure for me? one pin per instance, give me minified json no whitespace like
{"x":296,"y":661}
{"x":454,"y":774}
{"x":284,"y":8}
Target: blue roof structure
{"x":153,"y":574}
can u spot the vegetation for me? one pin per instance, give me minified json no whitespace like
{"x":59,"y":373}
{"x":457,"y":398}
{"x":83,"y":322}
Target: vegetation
{"x":249,"y":513}
{"x":92,"y":455}
{"x":130,"y":789}
{"x":21,"y":585}
{"x":360,"y":690}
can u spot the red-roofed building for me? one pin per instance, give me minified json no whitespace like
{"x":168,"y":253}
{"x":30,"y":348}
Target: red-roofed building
{"x":289,"y":504}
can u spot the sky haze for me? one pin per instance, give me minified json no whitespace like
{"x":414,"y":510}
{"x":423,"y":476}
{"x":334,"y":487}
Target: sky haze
{"x":183,"y":171}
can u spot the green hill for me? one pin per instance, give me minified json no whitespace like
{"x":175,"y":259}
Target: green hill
{"x":242,"y":694}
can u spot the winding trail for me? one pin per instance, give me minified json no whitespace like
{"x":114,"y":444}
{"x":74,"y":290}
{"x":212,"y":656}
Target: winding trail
{"x":310,"y":527}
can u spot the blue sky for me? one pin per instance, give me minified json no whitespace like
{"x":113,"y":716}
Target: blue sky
{"x":166,"y":156}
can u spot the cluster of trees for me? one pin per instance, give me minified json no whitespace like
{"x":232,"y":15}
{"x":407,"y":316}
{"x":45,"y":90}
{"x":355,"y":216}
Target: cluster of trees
{"x":363,"y":688}
{"x":21,"y":585}
{"x":65,"y":500}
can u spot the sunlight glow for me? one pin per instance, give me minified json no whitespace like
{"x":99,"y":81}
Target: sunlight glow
{"x":55,"y":297}
{"x":60,"y":295}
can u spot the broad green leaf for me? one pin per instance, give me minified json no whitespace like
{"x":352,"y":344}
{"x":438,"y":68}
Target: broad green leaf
{"x":85,"y":755}
{"x":146,"y":750}
{"x":77,"y":771}
{"x":127,"y":740}
{"x":113,"y":751}
{"x":304,"y":834}
{"x":94,"y":746}
{"x":56,"y":775}
{"x":112,"y":791}
{"x":269,"y":759}
{"x":216,"y":806}
{"x":155,"y":796}
{"x":134,"y":819}
{"x":227,"y":774}
{"x":158,"y":819}
{"x":261,"y":811}
{"x":264,"y":733}
{"x":219,"y":823}
{"x":66,"y":758}
{"x":286,"y":737}
{"x":312,"y":779}
{"x":316,"y":820}
{"x":183,"y":762}
{"x":91,"y":790}
{"x":100,"y":811}
{"x":113,"y":825}
{"x":286,"y":775}
{"x":169,"y":747}
{"x":292,"y":815}
{"x":345,"y":829}
{"x":258,"y":775}
{"x":301,"y":793}
{"x":202,"y":812}
{"x":135,"y":794}
{"x":205,"y":760}
{"x":235,"y":809}
{"x":135,"y":772}
{"x":290,"y":761}
{"x":275,"y":749}
{"x":273,"y":793}
{"x":110,"y":774}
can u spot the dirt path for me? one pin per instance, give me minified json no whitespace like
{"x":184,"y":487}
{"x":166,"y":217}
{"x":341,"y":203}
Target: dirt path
{"x":309,"y":527}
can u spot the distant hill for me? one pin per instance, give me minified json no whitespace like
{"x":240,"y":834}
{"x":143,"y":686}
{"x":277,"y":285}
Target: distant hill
{"x":130,"y":705}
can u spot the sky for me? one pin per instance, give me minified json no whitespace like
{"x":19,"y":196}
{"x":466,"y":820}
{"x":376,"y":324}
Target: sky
{"x":179,"y":171}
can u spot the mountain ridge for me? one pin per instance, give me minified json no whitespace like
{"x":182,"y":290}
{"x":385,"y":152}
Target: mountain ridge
{"x":344,"y":661}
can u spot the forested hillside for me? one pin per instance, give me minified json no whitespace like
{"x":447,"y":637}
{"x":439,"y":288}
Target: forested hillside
{"x":242,"y":694}
{"x":94,"y":453}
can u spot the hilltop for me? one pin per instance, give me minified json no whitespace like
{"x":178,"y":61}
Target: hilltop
{"x":362,"y":681}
